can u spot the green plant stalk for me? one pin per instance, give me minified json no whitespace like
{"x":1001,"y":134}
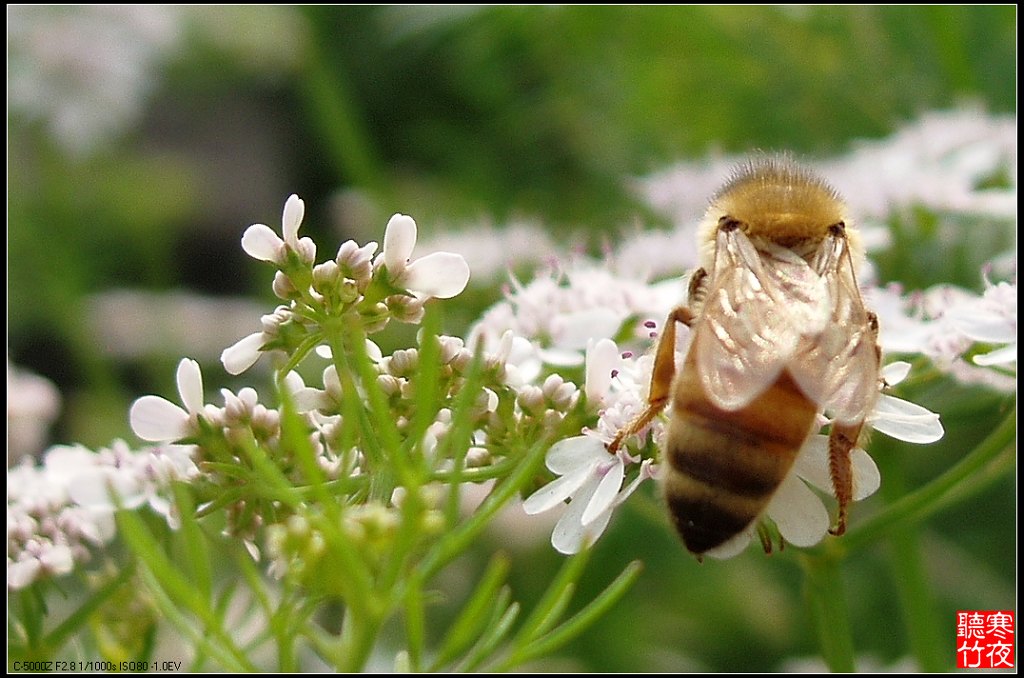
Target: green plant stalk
{"x":830,"y":614}
{"x":920,"y":616}
{"x":336,"y":115}
{"x":358,"y":636}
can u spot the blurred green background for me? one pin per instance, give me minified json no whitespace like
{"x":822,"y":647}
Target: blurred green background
{"x":454,"y":114}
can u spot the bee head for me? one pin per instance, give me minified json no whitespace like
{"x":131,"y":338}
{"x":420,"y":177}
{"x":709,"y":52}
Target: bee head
{"x":772,"y":198}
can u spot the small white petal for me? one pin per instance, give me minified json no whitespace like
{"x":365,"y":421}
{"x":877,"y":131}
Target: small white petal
{"x":155,"y":419}
{"x":399,"y":241}
{"x":602,"y":358}
{"x":605,"y":494}
{"x":866,"y":478}
{"x":442,"y":275}
{"x":100,"y":488}
{"x":324,"y":351}
{"x":812,"y":463}
{"x":190,"y":384}
{"x":575,"y":329}
{"x":907,"y":421}
{"x":57,"y":559}
{"x":557,"y":491}
{"x":734,"y":546}
{"x":569,"y":454}
{"x":646,"y":472}
{"x":260,"y":242}
{"x":291,"y":219}
{"x":894,"y":373}
{"x":373,"y":351}
{"x":243,"y":354}
{"x":1000,"y":356}
{"x":561,"y":357}
{"x":309,"y":399}
{"x":22,"y":573}
{"x":798,"y":513}
{"x":569,"y":535}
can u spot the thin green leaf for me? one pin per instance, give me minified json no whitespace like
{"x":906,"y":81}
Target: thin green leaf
{"x":494,"y":634}
{"x":554,"y":601}
{"x":468,"y":625}
{"x":56,"y":638}
{"x":194,"y":541}
{"x":582,"y":619}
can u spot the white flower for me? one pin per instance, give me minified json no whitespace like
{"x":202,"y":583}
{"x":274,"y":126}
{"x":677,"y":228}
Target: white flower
{"x":243,"y":354}
{"x":30,"y":412}
{"x":591,"y":479}
{"x":261,"y":242}
{"x":441,"y":274}
{"x":902,"y":419}
{"x":157,"y":419}
{"x":992,"y":320}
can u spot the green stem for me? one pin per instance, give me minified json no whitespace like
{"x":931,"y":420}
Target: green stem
{"x":826,"y":598}
{"x":920,"y":616}
{"x":358,"y":635}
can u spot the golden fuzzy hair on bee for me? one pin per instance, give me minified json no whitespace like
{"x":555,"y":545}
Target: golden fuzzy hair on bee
{"x":774,"y":199}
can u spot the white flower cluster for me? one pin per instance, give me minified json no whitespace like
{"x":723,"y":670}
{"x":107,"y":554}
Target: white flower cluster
{"x":944,"y":161}
{"x":86,"y":70}
{"x":57,"y":511}
{"x":33,"y":402}
{"x":945,"y":322}
{"x":353,"y":284}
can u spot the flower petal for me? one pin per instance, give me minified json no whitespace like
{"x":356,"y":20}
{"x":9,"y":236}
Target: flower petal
{"x":291,"y":219}
{"x":243,"y":354}
{"x":1000,"y":356}
{"x":399,"y":241}
{"x":575,"y":329}
{"x":155,"y":419}
{"x":602,"y":358}
{"x":557,"y":491}
{"x":734,"y":546}
{"x":895,"y":372}
{"x":441,"y":274}
{"x":866,"y":478}
{"x":570,"y":535}
{"x":812,"y":463}
{"x":260,"y":242}
{"x":604,"y":495}
{"x":798,"y":513}
{"x":190,"y":384}
{"x":907,"y":421}
{"x":569,"y":454}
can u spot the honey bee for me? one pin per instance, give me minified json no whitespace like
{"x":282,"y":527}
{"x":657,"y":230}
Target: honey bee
{"x":779,"y":335}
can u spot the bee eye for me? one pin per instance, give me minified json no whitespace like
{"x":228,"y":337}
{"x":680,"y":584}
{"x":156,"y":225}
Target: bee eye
{"x":727,"y":223}
{"x":837,"y":229}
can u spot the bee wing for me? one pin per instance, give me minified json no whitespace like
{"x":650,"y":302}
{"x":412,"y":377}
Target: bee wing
{"x":839,"y":368}
{"x":759,"y":304}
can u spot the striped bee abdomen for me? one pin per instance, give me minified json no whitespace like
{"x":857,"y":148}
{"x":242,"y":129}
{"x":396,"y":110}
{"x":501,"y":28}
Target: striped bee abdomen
{"x":724,"y":466}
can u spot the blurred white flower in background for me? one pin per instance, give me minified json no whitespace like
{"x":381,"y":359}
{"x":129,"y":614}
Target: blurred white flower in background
{"x":33,"y":403}
{"x":85,"y":71}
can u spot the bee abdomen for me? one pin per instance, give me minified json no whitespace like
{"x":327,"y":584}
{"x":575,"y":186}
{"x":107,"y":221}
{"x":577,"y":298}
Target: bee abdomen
{"x":724,"y":467}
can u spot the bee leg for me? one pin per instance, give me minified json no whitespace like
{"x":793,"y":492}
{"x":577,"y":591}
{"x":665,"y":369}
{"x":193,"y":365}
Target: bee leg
{"x":661,"y":376}
{"x":841,"y":442}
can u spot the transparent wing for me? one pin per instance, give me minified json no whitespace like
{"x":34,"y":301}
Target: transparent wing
{"x":839,"y":367}
{"x":760,"y":302}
